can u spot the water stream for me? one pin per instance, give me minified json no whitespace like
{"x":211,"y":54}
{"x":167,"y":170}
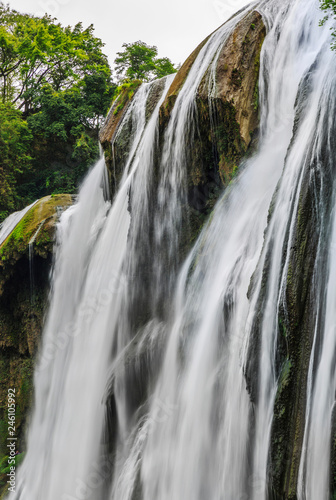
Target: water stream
{"x":209,"y":329}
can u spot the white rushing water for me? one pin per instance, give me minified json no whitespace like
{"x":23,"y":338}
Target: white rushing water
{"x":202,"y":430}
{"x":314,"y":477}
{"x":203,"y":449}
{"x":78,"y":337}
{"x":9,"y":224}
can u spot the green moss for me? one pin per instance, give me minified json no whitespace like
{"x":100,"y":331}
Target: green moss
{"x":19,"y":375}
{"x":256,"y":97}
{"x":5,"y":468}
{"x":285,"y":374}
{"x":236,"y":78}
{"x":124,"y":94}
{"x":25,"y":388}
{"x":21,"y":317}
{"x":279,"y":448}
{"x":3,"y":433}
{"x":18,"y":241}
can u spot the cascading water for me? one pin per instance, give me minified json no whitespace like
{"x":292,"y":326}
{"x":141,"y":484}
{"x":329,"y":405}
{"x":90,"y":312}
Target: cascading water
{"x":214,"y":316}
{"x":9,"y":224}
{"x":87,"y":288}
{"x":203,"y":428}
{"x":316,"y":478}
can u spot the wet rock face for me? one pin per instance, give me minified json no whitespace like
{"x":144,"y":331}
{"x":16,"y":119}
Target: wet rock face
{"x":224,"y":127}
{"x":119,"y":129}
{"x":238,"y":72}
{"x":296,"y":333}
{"x":117,"y":112}
{"x":230,"y":116}
{"x":24,"y":291}
{"x":301,"y":315}
{"x":226,"y":124}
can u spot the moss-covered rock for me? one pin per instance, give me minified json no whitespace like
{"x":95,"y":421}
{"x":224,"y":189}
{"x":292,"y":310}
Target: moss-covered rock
{"x":24,"y":290}
{"x":117,"y":111}
{"x":37,"y":226}
{"x":111,"y":126}
{"x":227,"y":122}
{"x":178,"y":83}
{"x":224,"y":125}
{"x":299,"y":317}
{"x":297,"y":324}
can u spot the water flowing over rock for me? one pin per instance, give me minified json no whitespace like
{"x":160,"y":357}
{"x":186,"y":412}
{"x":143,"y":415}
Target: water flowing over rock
{"x":22,"y":307}
{"x":189,"y":348}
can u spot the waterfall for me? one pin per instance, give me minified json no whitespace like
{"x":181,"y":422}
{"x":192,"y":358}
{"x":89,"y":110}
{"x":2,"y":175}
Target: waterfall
{"x":9,"y":224}
{"x":213,"y":314}
{"x":316,"y":478}
{"x":158,"y":380}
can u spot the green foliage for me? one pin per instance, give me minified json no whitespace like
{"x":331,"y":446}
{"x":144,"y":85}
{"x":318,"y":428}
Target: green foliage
{"x":5,"y":467}
{"x":124,"y":93}
{"x":38,"y":51}
{"x":56,"y":88}
{"x":3,"y":429}
{"x":139,"y":61}
{"x":164,"y":67}
{"x":17,"y":241}
{"x":234,"y":171}
{"x":329,"y":6}
{"x":15,"y":159}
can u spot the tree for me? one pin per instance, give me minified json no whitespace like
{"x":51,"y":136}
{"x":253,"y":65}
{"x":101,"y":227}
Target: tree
{"x":38,"y":51}
{"x":55,"y":90}
{"x":15,"y":159}
{"x":329,"y":6}
{"x":65,"y":134}
{"x":164,"y":67}
{"x":138,"y":61}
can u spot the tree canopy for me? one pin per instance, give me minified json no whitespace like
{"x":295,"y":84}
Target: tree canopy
{"x":329,"y":6}
{"x":139,"y":61}
{"x":56,"y":87}
{"x":15,"y":159}
{"x":37,"y":52}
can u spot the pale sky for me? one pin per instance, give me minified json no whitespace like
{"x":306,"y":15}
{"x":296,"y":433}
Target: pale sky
{"x":175,"y":27}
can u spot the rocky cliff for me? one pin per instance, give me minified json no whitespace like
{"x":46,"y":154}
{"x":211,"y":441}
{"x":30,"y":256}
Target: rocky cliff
{"x":25,"y":265}
{"x":226,"y":128}
{"x":225,"y":131}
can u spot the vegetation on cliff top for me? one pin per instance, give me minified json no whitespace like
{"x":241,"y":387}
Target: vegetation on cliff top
{"x":33,"y":224}
{"x":329,"y":6}
{"x":55,"y":89}
{"x":139,"y":61}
